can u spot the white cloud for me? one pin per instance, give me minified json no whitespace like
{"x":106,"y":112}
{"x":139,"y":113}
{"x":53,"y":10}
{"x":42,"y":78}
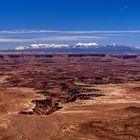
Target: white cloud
{"x":65,"y":32}
{"x":12,"y":40}
{"x":50,"y":38}
{"x":25,"y":31}
{"x":52,"y":35}
{"x":101,"y":32}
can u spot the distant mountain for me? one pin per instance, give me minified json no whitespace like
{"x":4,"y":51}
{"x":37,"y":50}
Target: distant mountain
{"x":86,"y":45}
{"x":40,"y":46}
{"x":77,"y":48}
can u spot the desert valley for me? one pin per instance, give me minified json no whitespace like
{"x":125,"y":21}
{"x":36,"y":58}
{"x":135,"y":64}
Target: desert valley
{"x":69,"y":96}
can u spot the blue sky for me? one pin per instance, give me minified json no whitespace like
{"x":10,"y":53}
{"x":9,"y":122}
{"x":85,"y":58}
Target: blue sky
{"x":24,"y":22}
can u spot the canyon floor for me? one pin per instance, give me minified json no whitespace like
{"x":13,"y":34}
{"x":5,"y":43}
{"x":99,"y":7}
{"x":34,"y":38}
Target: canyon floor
{"x":69,"y":97}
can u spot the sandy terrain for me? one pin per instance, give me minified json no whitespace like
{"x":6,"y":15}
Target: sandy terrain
{"x":69,"y":98}
{"x":115,"y":116}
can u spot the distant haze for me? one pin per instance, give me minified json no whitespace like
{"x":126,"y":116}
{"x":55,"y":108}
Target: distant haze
{"x":13,"y":38}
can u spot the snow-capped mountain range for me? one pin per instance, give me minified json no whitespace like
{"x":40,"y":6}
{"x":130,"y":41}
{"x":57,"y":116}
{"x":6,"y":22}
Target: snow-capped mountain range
{"x":39,"y":46}
{"x":79,"y":47}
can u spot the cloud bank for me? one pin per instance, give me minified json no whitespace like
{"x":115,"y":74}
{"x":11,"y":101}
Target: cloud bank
{"x":11,"y":38}
{"x":51,"y":38}
{"x":52,"y":35}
